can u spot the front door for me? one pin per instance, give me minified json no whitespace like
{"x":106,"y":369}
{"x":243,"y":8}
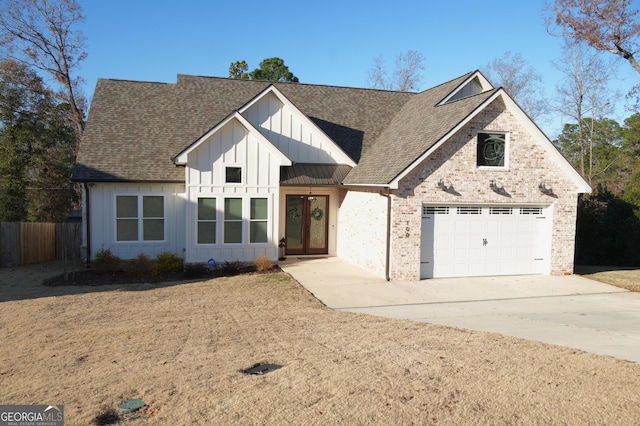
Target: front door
{"x":307,"y":224}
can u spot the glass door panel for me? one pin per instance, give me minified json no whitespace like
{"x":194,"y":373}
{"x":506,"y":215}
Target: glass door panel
{"x":307,"y":224}
{"x":295,"y":224}
{"x":317,"y":224}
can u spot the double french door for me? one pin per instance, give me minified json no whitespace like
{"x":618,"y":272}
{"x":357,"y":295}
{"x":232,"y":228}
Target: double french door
{"x":307,"y":224}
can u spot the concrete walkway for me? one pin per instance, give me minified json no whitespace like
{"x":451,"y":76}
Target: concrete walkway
{"x":569,"y":311}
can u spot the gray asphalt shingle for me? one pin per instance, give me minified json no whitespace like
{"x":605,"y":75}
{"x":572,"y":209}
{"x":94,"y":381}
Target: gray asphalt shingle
{"x":136,"y":128}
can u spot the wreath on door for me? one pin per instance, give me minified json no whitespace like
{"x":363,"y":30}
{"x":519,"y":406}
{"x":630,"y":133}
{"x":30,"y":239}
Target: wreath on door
{"x":317,"y":214}
{"x":294,"y":214}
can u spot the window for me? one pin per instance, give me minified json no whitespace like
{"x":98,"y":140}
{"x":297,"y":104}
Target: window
{"x":130,"y":224}
{"x":206,"y":220}
{"x":232,"y":220}
{"x":531,"y":210}
{"x":127,"y":218}
{"x":500,"y":210}
{"x":469,"y":210}
{"x":153,"y":218}
{"x":258,"y":220}
{"x":491,"y":150}
{"x":233,"y":175}
{"x":435,"y":210}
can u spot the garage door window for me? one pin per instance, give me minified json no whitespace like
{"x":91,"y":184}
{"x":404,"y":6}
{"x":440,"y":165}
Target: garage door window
{"x":469,"y":210}
{"x":500,"y":210}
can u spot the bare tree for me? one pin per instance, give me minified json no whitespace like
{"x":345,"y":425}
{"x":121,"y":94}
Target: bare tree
{"x":406,"y":75}
{"x":606,"y":25}
{"x":43,"y":34}
{"x":520,"y":80}
{"x":584,"y":93}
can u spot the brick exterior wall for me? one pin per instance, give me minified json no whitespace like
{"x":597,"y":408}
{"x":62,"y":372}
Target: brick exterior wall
{"x":362,"y":225}
{"x":529,"y":164}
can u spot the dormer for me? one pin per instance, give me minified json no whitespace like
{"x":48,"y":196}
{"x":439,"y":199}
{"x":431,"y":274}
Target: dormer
{"x":474,"y":85}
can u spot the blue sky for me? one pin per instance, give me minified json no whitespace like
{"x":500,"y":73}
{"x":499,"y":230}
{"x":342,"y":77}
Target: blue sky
{"x":329,"y":42}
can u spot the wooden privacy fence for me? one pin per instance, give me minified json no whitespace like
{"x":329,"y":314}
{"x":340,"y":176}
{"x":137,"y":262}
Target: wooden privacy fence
{"x":23,"y":243}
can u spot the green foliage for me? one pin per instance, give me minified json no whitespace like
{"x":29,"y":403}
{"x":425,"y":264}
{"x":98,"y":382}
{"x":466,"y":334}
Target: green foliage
{"x":270,"y":69}
{"x":238,"y":70}
{"x":631,"y":193}
{"x":631,"y":134}
{"x":37,"y":149}
{"x":167,"y":262}
{"x":597,"y":150}
{"x":105,"y":262}
{"x":607,"y":232}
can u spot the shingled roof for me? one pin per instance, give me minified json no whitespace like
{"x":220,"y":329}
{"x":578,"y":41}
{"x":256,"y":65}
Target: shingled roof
{"x":135,"y":129}
{"x":414,"y":129}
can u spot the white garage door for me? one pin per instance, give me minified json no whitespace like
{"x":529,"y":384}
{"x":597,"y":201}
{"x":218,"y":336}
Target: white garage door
{"x":467,"y":241}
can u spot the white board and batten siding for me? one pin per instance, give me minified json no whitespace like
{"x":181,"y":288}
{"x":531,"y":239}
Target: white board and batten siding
{"x":233,"y":145}
{"x":102,"y":199}
{"x":459,"y":241}
{"x":292,"y":132}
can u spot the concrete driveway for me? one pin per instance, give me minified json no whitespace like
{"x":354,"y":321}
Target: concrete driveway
{"x":569,"y":311}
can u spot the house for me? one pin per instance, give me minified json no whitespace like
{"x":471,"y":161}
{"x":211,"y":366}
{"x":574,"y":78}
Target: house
{"x":453,"y":181}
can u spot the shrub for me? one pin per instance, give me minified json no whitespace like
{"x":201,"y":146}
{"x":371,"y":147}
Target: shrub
{"x":141,"y":266}
{"x":262,"y":263}
{"x":106,"y":262}
{"x":195,"y":270}
{"x":231,"y":268}
{"x":167,"y":262}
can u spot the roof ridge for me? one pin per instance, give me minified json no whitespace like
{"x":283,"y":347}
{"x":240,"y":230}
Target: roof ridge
{"x":295,"y":83}
{"x":463,"y":76}
{"x":127,"y":80}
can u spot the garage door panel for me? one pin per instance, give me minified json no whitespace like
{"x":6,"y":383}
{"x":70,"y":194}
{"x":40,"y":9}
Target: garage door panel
{"x":474,"y":241}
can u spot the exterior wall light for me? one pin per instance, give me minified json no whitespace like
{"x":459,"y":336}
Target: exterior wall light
{"x":543,"y":188}
{"x":495,"y":188}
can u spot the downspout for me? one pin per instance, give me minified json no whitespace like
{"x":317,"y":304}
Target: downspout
{"x":88,"y":222}
{"x":387,"y":262}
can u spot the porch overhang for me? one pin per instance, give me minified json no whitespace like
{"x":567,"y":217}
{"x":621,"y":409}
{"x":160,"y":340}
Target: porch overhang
{"x":308,"y":174}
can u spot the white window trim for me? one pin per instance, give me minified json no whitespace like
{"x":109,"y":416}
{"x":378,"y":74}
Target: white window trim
{"x":246,"y":220}
{"x":243,"y":220}
{"x":269,"y":219}
{"x":243,"y":178}
{"x":140,"y":218}
{"x":217,"y":221}
{"x":507,"y":145}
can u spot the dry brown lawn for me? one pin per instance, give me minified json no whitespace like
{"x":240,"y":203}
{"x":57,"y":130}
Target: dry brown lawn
{"x":181,"y":347}
{"x":621,"y":277}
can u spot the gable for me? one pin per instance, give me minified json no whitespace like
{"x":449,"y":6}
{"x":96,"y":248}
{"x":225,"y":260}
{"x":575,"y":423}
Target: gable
{"x":494,"y":105}
{"x":291,"y":131}
{"x":474,"y":84}
{"x":419,"y":125}
{"x":233,"y":143}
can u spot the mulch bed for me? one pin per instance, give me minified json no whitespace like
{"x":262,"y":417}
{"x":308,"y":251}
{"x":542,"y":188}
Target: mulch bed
{"x":91,"y":277}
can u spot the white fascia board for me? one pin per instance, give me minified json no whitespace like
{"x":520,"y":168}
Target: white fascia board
{"x":583,"y":186}
{"x":486,"y":85}
{"x":394,"y":183}
{"x":274,"y":90}
{"x":181,"y":159}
